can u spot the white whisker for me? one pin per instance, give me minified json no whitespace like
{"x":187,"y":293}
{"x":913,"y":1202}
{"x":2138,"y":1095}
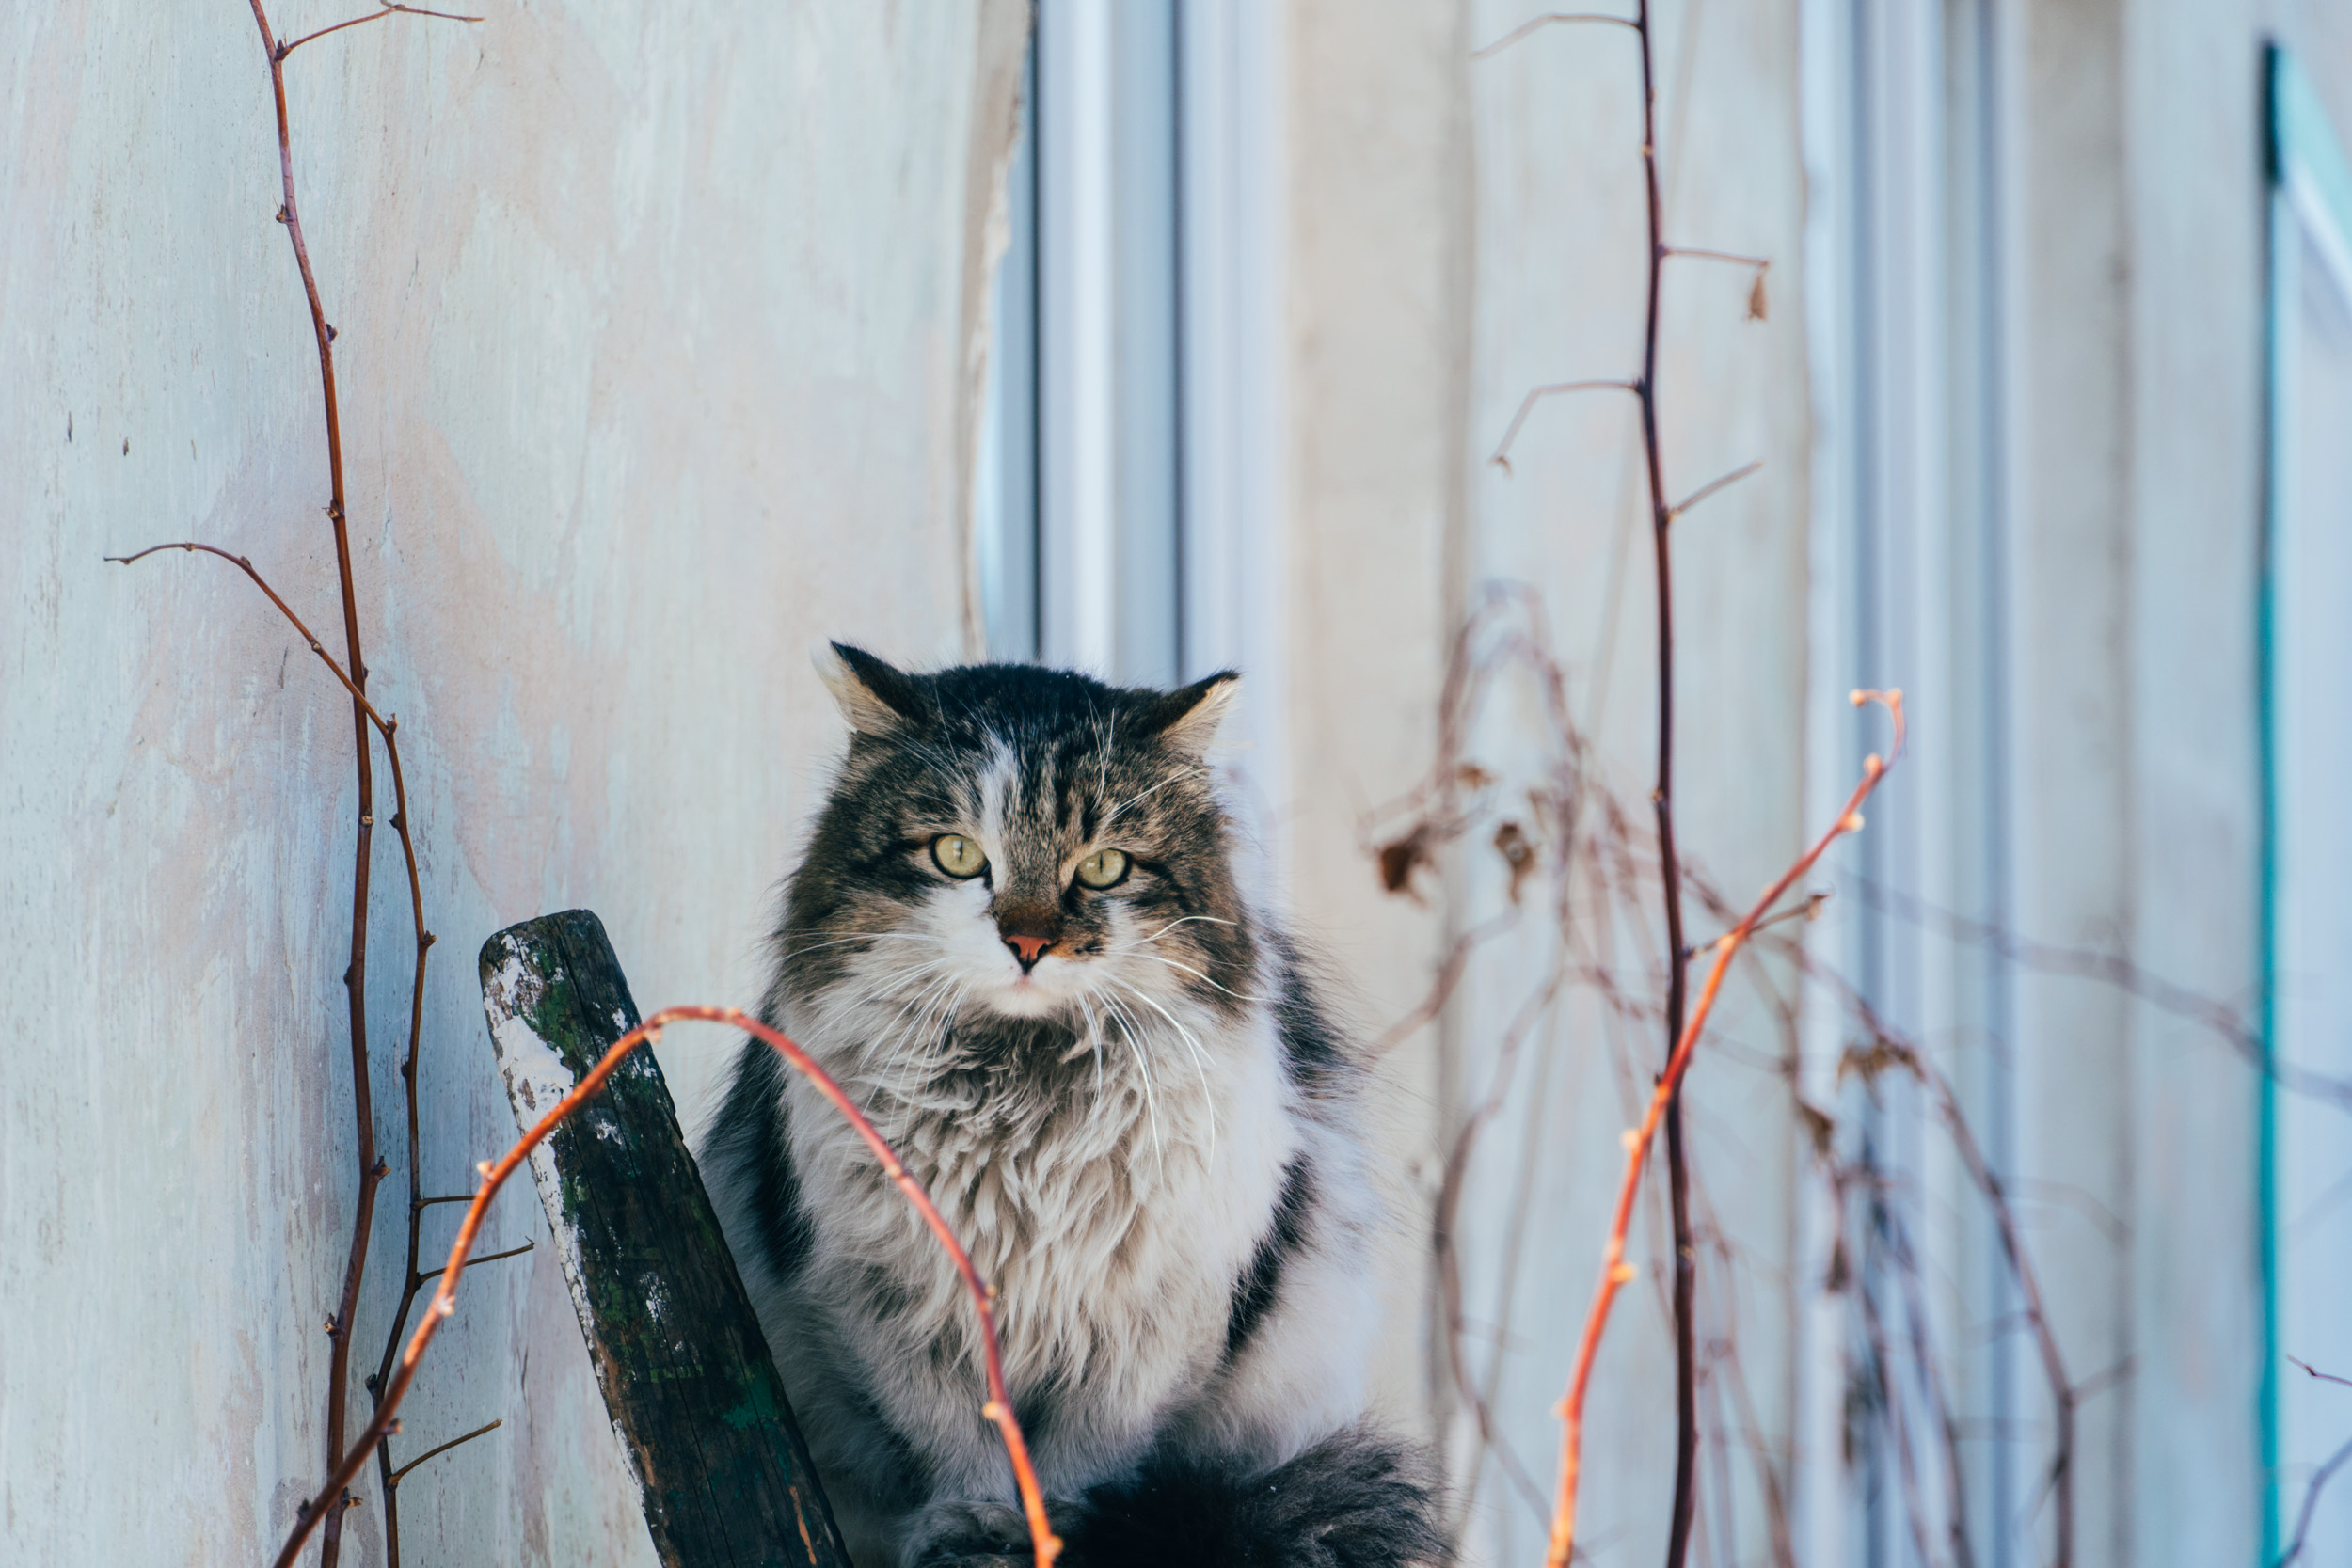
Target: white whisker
{"x":860,"y":936}
{"x":1094,"y":1034}
{"x":1208,"y":1092}
{"x":915,"y":1040}
{"x":1154,"y":936}
{"x":1173,"y":778}
{"x":937,"y":1018}
{"x":1203,"y":978}
{"x":1135,"y":1047}
{"x":905,"y":1040}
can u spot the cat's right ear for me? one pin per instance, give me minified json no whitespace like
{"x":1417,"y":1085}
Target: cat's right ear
{"x":876,"y":697}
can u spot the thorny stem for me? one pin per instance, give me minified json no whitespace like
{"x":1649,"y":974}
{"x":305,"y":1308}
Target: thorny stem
{"x":1662,"y":514}
{"x":1615,"y":1271}
{"x":352,"y":674}
{"x":998,"y":1409}
{"x":1670,"y":861}
{"x":356,"y":976}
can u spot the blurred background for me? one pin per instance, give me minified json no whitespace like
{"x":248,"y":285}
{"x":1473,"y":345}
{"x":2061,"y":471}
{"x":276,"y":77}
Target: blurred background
{"x":1163,"y":336}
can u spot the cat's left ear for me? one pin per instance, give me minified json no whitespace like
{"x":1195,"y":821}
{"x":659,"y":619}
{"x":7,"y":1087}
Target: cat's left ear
{"x":1187,"y":719}
{"x":876,"y":697}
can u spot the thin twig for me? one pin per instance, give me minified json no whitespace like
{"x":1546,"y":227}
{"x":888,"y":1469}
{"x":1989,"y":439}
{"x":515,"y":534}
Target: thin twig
{"x":388,"y":9}
{"x":2324,"y":1377}
{"x":998,"y":1409}
{"x":1711,"y":486}
{"x":393,"y":1479}
{"x":2227,"y":1023}
{"x":1884,"y":1051}
{"x":1759,"y":262}
{"x":382,"y":724}
{"x":1615,"y":1271}
{"x":2320,"y":1478}
{"x":1502,"y":456}
{"x":432,"y":1274}
{"x":1810,"y":910}
{"x":1542,"y":22}
{"x":387,"y":726}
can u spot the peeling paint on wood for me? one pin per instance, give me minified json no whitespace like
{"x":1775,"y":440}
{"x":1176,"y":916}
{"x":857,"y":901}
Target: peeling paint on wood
{"x":687,"y":1377}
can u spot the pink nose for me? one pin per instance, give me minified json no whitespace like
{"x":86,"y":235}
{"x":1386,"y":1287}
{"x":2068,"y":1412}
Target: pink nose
{"x":1028,"y":949}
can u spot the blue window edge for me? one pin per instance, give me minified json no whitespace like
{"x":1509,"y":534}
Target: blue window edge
{"x":2310,"y":187}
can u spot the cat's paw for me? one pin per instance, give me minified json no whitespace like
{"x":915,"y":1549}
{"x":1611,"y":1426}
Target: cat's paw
{"x":960,"y":1534}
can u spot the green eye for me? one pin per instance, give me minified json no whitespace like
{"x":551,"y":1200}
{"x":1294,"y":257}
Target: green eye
{"x":1103,"y":868}
{"x":958,"y":855}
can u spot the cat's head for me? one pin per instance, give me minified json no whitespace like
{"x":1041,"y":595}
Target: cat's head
{"x":1021,"y":847}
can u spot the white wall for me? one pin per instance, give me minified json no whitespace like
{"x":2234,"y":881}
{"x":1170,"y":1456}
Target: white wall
{"x":657,"y":335}
{"x":1458,"y":232}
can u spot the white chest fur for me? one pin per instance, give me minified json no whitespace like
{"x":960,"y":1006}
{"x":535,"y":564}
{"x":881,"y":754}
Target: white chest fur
{"x":1113,"y":1221}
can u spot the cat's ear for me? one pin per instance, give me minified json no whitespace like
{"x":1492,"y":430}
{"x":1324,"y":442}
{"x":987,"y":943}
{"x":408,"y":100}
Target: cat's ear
{"x":1187,"y":719}
{"x":876,"y":697}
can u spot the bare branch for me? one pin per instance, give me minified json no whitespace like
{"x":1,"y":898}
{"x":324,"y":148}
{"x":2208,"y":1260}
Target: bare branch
{"x":1759,"y":262}
{"x":1524,"y":28}
{"x":2324,"y":1377}
{"x":285,"y":49}
{"x":432,"y":1274}
{"x":2320,"y":1479}
{"x":383,"y":725}
{"x":1501,"y":457}
{"x":1711,"y":486}
{"x":393,"y":1479}
{"x":1615,"y":1271}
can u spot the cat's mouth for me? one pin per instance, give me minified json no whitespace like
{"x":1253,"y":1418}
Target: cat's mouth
{"x":1034,"y":994}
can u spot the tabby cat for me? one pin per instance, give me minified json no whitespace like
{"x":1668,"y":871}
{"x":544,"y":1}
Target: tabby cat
{"x":1017,"y":940}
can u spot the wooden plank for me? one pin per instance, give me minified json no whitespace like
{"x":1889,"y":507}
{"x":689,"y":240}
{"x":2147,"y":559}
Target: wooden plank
{"x":687,"y":1376}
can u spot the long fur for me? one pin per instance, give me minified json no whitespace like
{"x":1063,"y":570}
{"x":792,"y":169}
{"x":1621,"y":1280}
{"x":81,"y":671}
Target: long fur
{"x":1147,"y":1141}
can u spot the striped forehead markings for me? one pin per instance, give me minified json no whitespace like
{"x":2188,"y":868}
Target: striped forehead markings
{"x":999,"y":780}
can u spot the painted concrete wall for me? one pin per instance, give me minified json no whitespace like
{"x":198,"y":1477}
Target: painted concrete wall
{"x":657,"y":335}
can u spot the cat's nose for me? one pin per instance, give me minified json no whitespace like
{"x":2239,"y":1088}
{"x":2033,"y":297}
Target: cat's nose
{"x":1029,"y":927}
{"x":1028,"y":949}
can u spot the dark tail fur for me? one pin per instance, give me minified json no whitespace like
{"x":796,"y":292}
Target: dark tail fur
{"x":1354,"y":1500}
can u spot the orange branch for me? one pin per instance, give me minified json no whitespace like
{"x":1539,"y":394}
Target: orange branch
{"x":1614,"y":1270}
{"x":998,"y":1409}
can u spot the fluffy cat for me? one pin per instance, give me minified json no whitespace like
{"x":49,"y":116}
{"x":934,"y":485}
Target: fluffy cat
{"x":1016,"y":940}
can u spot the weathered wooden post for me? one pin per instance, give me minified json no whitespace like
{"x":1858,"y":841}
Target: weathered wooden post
{"x":687,"y":1376}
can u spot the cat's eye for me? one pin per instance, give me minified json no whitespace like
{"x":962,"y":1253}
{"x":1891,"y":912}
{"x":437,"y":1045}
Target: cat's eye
{"x":1103,"y":868}
{"x":958,"y":855}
